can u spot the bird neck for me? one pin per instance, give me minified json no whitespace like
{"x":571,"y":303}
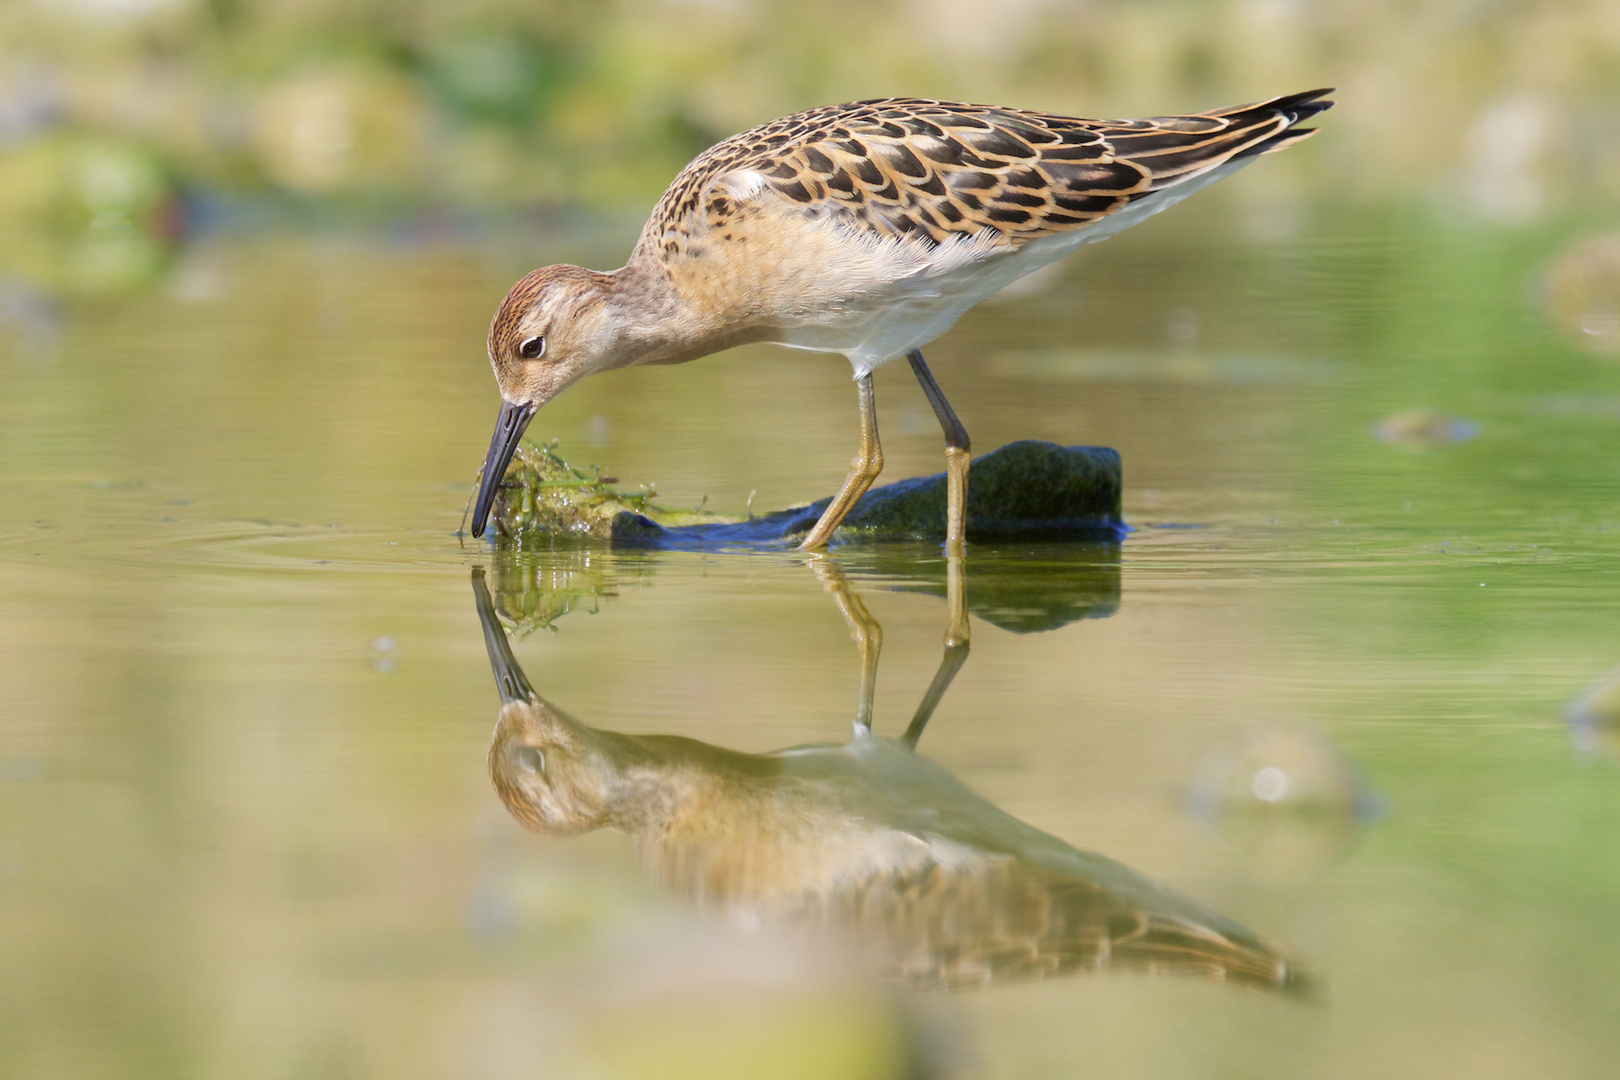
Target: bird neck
{"x":654,"y":323}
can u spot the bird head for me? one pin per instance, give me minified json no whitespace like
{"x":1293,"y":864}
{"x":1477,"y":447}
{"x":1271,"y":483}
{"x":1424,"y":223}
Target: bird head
{"x":552,"y":329}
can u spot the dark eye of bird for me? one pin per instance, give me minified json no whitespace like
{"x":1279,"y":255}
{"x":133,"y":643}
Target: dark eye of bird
{"x":532,"y":348}
{"x":530,"y":759}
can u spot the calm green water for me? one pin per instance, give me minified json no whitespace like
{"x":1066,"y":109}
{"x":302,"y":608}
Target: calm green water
{"x":246,"y":824}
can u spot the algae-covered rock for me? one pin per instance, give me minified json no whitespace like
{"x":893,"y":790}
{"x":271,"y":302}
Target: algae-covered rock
{"x":1024,"y":490}
{"x":542,"y":496}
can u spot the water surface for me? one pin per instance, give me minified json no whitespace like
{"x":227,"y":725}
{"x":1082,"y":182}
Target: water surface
{"x":246,"y":826}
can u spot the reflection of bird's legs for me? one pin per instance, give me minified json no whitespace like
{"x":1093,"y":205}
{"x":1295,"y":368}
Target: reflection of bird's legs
{"x":866,"y":631}
{"x":956,"y":648}
{"x":958,"y":453}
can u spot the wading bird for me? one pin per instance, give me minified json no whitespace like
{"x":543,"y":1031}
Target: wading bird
{"x":864,"y":229}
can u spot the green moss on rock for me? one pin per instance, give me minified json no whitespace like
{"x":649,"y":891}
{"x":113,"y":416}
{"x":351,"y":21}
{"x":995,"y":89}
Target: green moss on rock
{"x":1024,"y":490}
{"x":542,"y":496}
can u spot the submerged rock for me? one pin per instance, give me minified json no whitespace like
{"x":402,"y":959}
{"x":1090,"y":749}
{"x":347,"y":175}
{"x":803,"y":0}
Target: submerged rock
{"x":1581,"y":294}
{"x":1024,"y":490}
{"x":1286,"y":797}
{"x":1419,"y":429}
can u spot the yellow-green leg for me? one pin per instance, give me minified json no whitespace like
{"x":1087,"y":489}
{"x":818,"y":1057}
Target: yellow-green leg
{"x":863,"y":470}
{"x":958,"y":455}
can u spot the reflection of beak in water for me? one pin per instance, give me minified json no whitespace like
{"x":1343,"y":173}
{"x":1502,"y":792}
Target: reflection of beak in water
{"x":867,"y":840}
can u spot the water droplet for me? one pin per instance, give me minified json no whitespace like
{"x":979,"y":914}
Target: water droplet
{"x":1271,"y":784}
{"x":382,"y":654}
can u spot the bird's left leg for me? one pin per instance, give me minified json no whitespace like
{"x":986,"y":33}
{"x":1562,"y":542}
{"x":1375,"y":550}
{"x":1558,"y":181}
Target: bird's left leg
{"x":958,"y":454}
{"x":862,"y":471}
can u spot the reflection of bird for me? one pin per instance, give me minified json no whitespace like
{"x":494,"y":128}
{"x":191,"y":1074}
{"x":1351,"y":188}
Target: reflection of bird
{"x":867,"y":839}
{"x":862,"y":229}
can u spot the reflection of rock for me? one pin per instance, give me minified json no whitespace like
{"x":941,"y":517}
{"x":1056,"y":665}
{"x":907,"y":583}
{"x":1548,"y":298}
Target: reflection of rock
{"x":532,"y":593}
{"x":1581,"y":294}
{"x":1033,"y":588}
{"x":1024,"y":490}
{"x":1594,"y":717}
{"x":1418,"y":428}
{"x":1284,"y":796}
{"x":866,"y":843}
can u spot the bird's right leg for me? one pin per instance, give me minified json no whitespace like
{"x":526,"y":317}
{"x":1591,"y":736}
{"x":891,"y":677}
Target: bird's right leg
{"x":862,"y":471}
{"x":958,"y":455}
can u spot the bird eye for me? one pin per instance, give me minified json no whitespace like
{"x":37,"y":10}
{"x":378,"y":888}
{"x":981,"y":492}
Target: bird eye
{"x":532,"y":348}
{"x":530,"y":759}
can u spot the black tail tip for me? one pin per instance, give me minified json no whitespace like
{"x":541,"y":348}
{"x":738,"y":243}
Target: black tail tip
{"x":1304,"y":105}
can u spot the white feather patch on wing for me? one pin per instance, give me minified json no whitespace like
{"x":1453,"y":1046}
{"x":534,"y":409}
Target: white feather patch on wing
{"x":743,"y":184}
{"x":886,"y":265}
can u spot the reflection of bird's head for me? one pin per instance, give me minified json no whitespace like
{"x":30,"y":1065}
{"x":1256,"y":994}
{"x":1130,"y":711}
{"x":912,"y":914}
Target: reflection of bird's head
{"x":548,"y":770}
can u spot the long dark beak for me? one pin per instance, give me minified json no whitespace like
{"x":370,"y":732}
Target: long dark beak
{"x":509,"y":428}
{"x":509,"y":678}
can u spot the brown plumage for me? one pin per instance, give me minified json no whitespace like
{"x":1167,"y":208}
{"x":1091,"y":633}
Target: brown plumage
{"x":864,"y":229}
{"x":913,"y":167}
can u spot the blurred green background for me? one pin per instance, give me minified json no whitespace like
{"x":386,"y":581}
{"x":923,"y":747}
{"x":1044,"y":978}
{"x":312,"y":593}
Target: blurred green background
{"x":126,"y":123}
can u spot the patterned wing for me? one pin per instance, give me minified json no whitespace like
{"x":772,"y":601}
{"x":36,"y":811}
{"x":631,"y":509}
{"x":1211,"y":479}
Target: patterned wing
{"x":910,"y":167}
